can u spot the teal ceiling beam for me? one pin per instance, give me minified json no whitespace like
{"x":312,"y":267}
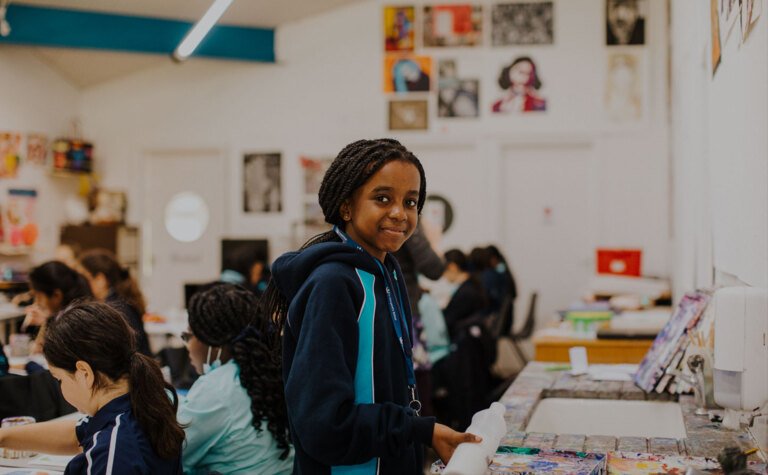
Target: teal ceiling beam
{"x":104,"y":31}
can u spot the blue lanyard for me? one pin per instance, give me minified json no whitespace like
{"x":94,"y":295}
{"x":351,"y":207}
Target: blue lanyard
{"x":398,"y":322}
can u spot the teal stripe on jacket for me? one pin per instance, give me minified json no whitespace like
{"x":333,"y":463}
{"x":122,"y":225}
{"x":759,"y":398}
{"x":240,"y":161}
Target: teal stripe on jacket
{"x":364,"y":367}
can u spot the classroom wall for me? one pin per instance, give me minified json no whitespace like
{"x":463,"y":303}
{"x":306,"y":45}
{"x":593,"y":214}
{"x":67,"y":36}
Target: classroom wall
{"x":36,"y":99}
{"x":547,"y":188}
{"x":720,"y":151}
{"x":326,"y":90}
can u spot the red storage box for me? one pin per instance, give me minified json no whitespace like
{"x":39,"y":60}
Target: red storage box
{"x":619,"y":261}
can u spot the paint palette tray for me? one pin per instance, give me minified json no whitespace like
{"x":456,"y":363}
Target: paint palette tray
{"x":528,"y":460}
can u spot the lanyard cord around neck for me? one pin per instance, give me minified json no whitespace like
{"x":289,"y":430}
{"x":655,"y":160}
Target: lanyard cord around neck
{"x":398,"y":319}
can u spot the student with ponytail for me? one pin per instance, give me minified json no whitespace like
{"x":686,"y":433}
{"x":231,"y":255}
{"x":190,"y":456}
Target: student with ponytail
{"x":235,"y":414}
{"x":130,"y":426}
{"x":342,"y":307}
{"x":112,"y":283}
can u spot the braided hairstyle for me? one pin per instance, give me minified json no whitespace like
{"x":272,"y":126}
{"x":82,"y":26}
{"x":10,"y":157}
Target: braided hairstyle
{"x":227,"y":315}
{"x":351,"y":169}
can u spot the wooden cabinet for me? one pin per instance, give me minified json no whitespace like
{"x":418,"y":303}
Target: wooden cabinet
{"x":121,"y":240}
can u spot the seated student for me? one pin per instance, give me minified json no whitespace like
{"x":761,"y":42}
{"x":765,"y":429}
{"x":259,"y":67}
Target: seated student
{"x":235,"y":413}
{"x":130,"y":427}
{"x":112,"y":283}
{"x":498,"y":280}
{"x":469,"y":299}
{"x":54,"y":286}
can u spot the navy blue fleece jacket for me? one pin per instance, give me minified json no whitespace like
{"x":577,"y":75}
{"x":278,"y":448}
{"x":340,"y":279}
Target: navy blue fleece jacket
{"x":344,"y":371}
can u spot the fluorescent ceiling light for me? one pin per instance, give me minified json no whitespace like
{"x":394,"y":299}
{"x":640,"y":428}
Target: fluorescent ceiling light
{"x":198,"y":32}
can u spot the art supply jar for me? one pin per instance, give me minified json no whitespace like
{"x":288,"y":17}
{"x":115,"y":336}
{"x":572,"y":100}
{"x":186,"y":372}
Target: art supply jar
{"x":16,"y":421}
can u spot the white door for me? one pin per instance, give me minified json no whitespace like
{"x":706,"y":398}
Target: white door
{"x":184,"y":202}
{"x":549,"y":223}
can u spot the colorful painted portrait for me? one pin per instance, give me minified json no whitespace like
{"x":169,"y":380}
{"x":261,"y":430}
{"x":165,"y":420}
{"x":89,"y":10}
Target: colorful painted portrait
{"x":521,"y":83}
{"x":625,"y":22}
{"x":407,"y":73}
{"x":10,"y":147}
{"x":522,"y":24}
{"x":37,"y":149}
{"x":453,"y":25}
{"x":399,"y":25}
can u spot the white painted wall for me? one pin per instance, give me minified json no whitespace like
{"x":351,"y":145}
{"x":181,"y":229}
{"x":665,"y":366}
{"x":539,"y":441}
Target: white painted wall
{"x":721,"y":152}
{"x":34,"y":98}
{"x":325,"y":91}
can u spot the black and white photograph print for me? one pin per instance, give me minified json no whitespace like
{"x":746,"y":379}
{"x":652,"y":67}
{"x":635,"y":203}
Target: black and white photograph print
{"x":458,"y":98}
{"x":625,"y":22}
{"x":522,"y":24}
{"x":261,"y":183}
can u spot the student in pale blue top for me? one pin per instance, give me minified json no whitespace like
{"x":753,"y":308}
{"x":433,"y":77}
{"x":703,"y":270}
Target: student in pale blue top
{"x":235,"y":412}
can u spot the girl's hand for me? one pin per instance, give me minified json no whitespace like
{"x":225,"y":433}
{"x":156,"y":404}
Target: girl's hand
{"x":445,"y":440}
{"x":34,"y":316}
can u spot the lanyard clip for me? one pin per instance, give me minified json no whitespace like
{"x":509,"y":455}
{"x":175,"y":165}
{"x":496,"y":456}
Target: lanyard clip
{"x":415,"y":404}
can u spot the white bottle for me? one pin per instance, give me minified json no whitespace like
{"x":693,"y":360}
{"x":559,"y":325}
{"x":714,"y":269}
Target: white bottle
{"x":473,"y":458}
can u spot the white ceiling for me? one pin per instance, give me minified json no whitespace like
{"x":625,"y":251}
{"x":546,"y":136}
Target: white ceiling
{"x":85,"y":68}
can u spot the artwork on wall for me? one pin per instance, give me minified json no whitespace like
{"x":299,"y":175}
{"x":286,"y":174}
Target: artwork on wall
{"x":715,"y":36}
{"x":408,"y":115}
{"x":520,"y":83}
{"x":409,"y":73}
{"x":314,"y":220}
{"x":625,"y":22}
{"x":749,"y":12}
{"x":107,"y":206}
{"x":399,"y":28}
{"x":37,"y":149}
{"x":522,"y":24}
{"x":19,"y":223}
{"x":10,"y":147}
{"x":456,"y":97}
{"x":623,"y":90}
{"x":728,"y":12}
{"x":453,"y":25}
{"x":261,"y":183}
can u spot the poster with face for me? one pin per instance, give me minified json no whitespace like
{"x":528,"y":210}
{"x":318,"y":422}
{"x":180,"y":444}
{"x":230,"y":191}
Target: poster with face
{"x":522,"y":24}
{"x":261,"y":183}
{"x":408,"y":115}
{"x":453,"y":25}
{"x":399,"y":28}
{"x":410,"y":73}
{"x":37,"y":149}
{"x":520,"y":83}
{"x":623,"y":93}
{"x":625,"y":22}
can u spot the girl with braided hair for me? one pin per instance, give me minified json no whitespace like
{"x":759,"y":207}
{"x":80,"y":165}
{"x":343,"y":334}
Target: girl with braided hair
{"x":341,"y":305}
{"x":235,"y":413}
{"x":130,"y":424}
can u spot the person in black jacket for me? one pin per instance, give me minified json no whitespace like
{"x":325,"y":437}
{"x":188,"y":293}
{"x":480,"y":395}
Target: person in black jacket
{"x":341,"y":305}
{"x":112,"y":283}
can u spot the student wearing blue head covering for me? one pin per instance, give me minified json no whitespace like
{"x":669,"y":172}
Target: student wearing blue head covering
{"x":235,"y":414}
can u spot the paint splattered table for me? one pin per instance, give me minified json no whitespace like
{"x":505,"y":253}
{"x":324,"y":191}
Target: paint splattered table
{"x":537,"y":381}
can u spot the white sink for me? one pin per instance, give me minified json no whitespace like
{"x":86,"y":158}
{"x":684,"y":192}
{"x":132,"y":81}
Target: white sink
{"x":608,"y":417}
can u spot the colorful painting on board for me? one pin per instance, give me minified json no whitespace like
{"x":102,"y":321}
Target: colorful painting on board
{"x":19,"y":223}
{"x":408,"y":115}
{"x":522,"y":24}
{"x":749,"y":12}
{"x":520,"y":83}
{"x":631,"y":463}
{"x":261,"y":183}
{"x":715,"y":36}
{"x":37,"y":149}
{"x":623,"y":92}
{"x":410,"y":73}
{"x":399,"y":28}
{"x":10,"y":146}
{"x":517,"y":460}
{"x":453,"y":25}
{"x":625,"y":22}
{"x":670,"y":342}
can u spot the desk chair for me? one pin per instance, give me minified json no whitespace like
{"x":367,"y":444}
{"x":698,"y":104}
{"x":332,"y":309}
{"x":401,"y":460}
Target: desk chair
{"x":505,"y":324}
